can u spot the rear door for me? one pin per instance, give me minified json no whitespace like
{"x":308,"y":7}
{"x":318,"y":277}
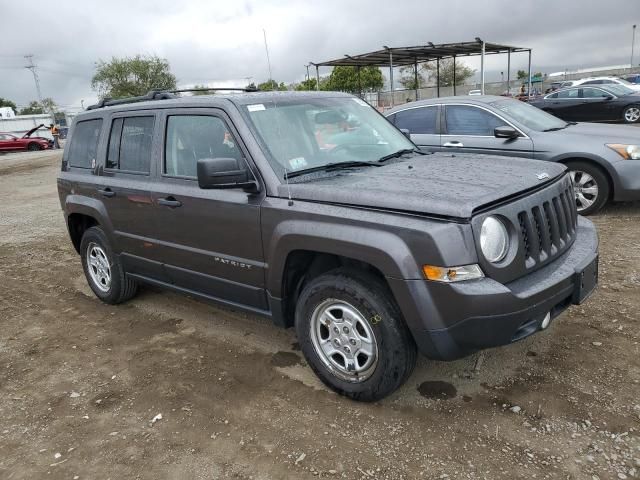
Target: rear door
{"x":423,"y":124}
{"x":209,"y":240}
{"x":124,"y":189}
{"x":469,"y":129}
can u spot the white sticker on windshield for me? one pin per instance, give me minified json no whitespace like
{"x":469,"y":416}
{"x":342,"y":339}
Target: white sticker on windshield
{"x":298,"y":162}
{"x":256,"y":107}
{"x":360,"y":102}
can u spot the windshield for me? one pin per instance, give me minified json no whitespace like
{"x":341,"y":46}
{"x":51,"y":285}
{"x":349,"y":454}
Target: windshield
{"x":305,"y":132}
{"x":528,"y":115}
{"x":619,"y":90}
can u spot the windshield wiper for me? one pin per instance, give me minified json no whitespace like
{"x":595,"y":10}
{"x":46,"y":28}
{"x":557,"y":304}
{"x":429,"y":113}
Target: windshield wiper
{"x":399,"y":153}
{"x":330,"y":167}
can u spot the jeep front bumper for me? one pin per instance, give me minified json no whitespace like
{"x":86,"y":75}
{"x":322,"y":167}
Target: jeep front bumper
{"x":449,"y":321}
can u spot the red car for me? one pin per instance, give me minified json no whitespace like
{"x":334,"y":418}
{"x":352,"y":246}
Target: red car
{"x":9,"y":141}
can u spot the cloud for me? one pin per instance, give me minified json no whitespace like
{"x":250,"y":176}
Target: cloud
{"x":221,"y":43}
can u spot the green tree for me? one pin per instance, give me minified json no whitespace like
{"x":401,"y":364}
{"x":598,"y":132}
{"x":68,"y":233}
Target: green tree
{"x":206,"y":92}
{"x":462,"y":72}
{"x":131,"y":76}
{"x":345,"y":79}
{"x":309,"y":84}
{"x":270,"y":85}
{"x":8,"y":103}
{"x":408,"y":77}
{"x":521,"y":74}
{"x":34,"y":108}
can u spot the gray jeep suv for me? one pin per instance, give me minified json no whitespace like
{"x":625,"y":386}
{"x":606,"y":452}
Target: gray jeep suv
{"x":313,"y":210}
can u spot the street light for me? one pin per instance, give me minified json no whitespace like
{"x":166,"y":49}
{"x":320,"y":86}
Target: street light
{"x":633,"y":41}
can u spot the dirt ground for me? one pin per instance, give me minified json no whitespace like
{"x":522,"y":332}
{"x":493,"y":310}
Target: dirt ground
{"x":81,"y":382}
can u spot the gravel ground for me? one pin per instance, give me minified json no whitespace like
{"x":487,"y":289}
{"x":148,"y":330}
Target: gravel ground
{"x":83,"y":385}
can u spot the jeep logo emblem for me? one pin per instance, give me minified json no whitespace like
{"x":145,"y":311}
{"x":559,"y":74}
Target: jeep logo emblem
{"x":543,"y":176}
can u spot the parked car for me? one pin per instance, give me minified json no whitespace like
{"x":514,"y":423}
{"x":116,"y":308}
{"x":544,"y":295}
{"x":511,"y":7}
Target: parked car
{"x":30,"y":133}
{"x":313,"y":210}
{"x":634,"y":78}
{"x":604,"y":103}
{"x":10,"y":142}
{"x":601,"y":158}
{"x":611,"y":81}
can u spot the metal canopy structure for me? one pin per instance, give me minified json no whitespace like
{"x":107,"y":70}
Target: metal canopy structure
{"x":405,"y":56}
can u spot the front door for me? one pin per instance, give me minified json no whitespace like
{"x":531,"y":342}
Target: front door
{"x":423,"y":125}
{"x":209,"y":240}
{"x":470,"y":129}
{"x":564,"y":104}
{"x":596,"y":106}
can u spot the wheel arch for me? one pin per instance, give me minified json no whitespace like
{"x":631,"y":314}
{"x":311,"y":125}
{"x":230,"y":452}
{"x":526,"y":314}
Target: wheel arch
{"x":83,"y":213}
{"x":607,"y":171}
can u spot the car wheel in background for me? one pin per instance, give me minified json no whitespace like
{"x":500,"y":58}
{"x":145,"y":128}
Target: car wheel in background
{"x":103,"y":269}
{"x":34,"y":147}
{"x":631,"y":114}
{"x":591,"y":187}
{"x":352,"y":334}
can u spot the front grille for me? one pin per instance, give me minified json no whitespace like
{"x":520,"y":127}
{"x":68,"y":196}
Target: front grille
{"x":548,"y":229}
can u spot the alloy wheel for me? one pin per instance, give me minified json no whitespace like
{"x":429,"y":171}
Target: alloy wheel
{"x":632,"y":114}
{"x":99,"y":267}
{"x":344,"y":340}
{"x":586,"y":189}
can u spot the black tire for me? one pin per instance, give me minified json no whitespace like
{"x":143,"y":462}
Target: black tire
{"x":121,"y":288}
{"x":34,"y":147}
{"x":627,"y":111}
{"x":601,"y":181}
{"x":396,"y":350}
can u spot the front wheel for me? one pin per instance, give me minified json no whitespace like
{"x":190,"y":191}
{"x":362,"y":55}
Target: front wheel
{"x":590,"y":185}
{"x":631,"y":114}
{"x":34,"y":147}
{"x":353,"y":335}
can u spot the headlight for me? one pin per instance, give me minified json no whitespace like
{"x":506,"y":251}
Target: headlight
{"x":494,"y":239}
{"x":628,"y":152}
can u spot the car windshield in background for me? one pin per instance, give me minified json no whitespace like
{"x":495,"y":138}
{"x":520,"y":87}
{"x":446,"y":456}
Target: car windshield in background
{"x":528,"y":115}
{"x":618,"y":90}
{"x":307,"y":133}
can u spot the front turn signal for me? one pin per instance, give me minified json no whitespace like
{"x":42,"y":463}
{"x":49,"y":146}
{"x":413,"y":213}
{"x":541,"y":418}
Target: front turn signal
{"x":452,"y":274}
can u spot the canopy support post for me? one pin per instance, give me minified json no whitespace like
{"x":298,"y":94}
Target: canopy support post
{"x":359,"y":82}
{"x":529,"y":73}
{"x":391,"y":75}
{"x":438,"y":76}
{"x":482,"y":68}
{"x":317,"y":78}
{"x":509,"y":71}
{"x":454,"y":75}
{"x":415,"y":76}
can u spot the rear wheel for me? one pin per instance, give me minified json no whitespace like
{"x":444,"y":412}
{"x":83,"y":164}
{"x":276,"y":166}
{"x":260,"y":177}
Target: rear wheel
{"x":353,"y":335}
{"x":103,"y":269}
{"x":34,"y":147}
{"x":591,"y":187}
{"x":631,"y":114}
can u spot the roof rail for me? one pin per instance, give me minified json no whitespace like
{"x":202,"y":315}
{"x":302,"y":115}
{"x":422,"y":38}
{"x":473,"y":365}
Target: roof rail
{"x":159,"y":95}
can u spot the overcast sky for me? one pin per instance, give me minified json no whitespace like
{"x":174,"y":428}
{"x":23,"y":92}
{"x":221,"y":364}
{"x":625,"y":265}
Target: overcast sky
{"x":220,"y":43}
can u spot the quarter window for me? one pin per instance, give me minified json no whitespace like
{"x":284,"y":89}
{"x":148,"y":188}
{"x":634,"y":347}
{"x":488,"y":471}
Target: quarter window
{"x":466,"y":120}
{"x":418,"y":120}
{"x":130,"y":144}
{"x":84,"y":143}
{"x":192,"y":137}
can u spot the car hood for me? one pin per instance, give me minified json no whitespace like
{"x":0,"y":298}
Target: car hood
{"x":608,"y":133}
{"x":438,"y":184}
{"x":30,"y":132}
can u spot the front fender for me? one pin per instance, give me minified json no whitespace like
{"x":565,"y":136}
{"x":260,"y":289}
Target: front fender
{"x":383,"y":250}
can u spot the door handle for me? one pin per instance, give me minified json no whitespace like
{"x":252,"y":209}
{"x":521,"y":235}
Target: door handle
{"x":453,"y":144}
{"x":169,"y":202}
{"x":107,"y":192}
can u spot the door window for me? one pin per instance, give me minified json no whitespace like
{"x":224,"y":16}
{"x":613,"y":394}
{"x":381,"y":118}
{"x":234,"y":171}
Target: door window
{"x":468,"y":120}
{"x":84,"y":143}
{"x":192,"y":137}
{"x":594,"y":93}
{"x":418,"y":120}
{"x":130,"y":144}
{"x":573,"y":93}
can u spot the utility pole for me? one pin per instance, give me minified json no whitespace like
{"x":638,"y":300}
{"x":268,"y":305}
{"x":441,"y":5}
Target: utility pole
{"x":633,"y":41}
{"x":34,"y":71}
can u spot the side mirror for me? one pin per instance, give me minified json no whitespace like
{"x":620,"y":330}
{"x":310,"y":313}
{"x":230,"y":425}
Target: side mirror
{"x":505,"y":131}
{"x":608,"y":97}
{"x":406,"y":132}
{"x":224,"y":173}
